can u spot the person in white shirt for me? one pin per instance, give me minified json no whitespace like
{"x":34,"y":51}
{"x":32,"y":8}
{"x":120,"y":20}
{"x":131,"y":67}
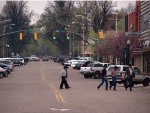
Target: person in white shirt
{"x":63,"y":75}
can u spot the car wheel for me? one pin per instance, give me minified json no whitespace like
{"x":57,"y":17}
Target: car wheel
{"x":86,"y":76}
{"x":97,"y":75}
{"x":146,"y":82}
{"x":6,"y":74}
{"x":1,"y":75}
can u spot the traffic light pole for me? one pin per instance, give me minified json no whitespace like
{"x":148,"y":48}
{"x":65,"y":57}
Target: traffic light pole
{"x":83,"y":42}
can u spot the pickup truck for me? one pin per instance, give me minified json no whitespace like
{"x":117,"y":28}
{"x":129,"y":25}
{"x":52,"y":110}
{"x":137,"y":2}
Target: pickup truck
{"x":92,"y":70}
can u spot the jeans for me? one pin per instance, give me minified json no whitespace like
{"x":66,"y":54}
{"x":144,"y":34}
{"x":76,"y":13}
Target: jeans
{"x":114,"y":82}
{"x":104,"y":79}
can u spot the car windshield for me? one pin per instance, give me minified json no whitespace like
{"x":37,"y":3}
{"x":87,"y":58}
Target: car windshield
{"x":111,"y":68}
{"x":90,"y":65}
{"x":136,"y":70}
{"x":5,"y":62}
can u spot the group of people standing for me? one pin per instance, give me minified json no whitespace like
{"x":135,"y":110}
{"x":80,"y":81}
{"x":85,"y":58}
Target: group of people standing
{"x":127,"y":78}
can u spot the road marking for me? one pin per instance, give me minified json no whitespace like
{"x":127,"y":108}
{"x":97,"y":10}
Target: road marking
{"x":54,"y":109}
{"x":61,"y":97}
{"x":42,"y":75}
{"x":58,"y":95}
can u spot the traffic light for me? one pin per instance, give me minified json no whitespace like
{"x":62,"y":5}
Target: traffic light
{"x":35,"y":36}
{"x":100,"y":35}
{"x":20,"y":36}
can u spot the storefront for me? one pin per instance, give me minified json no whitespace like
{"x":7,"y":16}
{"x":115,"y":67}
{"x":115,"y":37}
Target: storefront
{"x":146,"y":60}
{"x":145,"y":34}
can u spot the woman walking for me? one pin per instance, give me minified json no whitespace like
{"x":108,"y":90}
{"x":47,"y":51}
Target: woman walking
{"x":114,"y":74}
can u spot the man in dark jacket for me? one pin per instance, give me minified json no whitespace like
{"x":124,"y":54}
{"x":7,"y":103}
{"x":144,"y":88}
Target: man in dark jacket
{"x":128,"y":78}
{"x":104,"y":78}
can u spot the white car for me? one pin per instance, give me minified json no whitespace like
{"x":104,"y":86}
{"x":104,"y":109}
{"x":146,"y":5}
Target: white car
{"x":74,"y":62}
{"x":9,"y":63}
{"x":139,"y":77}
{"x":33,"y":58}
{"x":3,"y":73}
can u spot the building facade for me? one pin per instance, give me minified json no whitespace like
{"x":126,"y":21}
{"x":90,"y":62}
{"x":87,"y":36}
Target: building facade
{"x":133,"y":29}
{"x":145,"y":33}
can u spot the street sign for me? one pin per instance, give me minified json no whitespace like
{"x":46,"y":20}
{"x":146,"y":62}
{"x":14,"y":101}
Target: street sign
{"x":132,"y":33}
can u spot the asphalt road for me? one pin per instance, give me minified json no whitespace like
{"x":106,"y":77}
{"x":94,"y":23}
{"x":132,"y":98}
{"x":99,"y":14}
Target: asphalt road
{"x":34,"y":88}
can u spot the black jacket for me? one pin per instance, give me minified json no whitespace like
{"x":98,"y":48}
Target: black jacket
{"x":104,"y":72}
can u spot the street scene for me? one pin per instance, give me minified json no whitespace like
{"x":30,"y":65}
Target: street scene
{"x":34,"y":88}
{"x":75,"y":56}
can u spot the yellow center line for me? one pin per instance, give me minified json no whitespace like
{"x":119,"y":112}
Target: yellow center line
{"x":57,"y":94}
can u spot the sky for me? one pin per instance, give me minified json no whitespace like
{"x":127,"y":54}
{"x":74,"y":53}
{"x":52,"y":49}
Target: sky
{"x":38,"y":5}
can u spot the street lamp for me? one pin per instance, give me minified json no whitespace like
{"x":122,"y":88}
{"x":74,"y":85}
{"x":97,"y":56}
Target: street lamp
{"x":4,"y":37}
{"x":83,"y":29}
{"x":82,"y":33}
{"x":73,"y":38}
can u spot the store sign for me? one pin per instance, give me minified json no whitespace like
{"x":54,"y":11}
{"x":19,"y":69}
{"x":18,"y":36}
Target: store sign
{"x":138,"y":51}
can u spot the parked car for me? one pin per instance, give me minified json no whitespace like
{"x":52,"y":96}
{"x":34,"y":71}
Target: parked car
{"x":5,"y":66}
{"x":37,"y":58}
{"x":92,"y":70}
{"x":74,"y":62}
{"x":9,"y":63}
{"x":54,"y":58}
{"x":138,"y":79}
{"x":26,"y":60}
{"x":3,"y":73}
{"x":45,"y":58}
{"x":71,"y":60}
{"x":16,"y":61}
{"x":33,"y":58}
{"x":80,"y":64}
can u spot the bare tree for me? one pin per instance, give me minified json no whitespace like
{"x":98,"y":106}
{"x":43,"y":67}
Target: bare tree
{"x":98,"y":11}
